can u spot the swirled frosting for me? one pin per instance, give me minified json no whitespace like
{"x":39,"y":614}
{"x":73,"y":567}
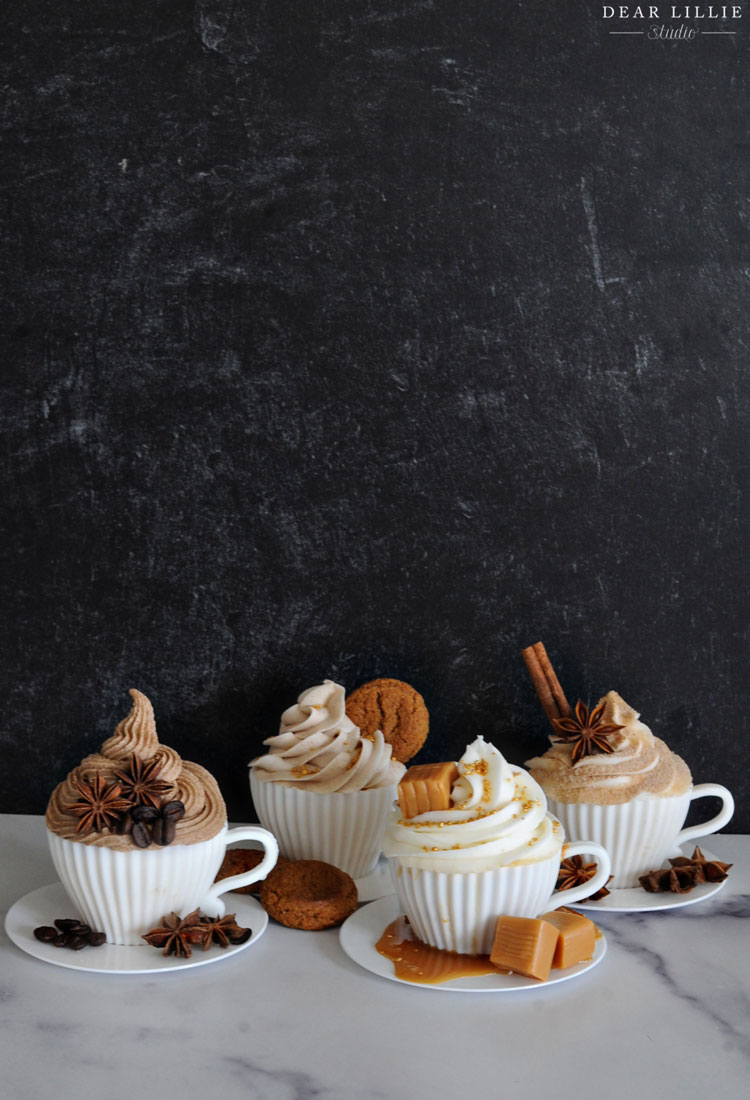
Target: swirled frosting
{"x":135,"y":735}
{"x":318,"y":748}
{"x":639,"y":764}
{"x":498,"y":817}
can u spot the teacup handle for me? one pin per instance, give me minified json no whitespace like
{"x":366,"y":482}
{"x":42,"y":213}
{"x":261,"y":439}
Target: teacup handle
{"x":271,"y":854}
{"x":586,"y":889}
{"x":716,"y":823}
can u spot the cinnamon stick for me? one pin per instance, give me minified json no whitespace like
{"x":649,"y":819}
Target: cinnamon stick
{"x":551,"y":694}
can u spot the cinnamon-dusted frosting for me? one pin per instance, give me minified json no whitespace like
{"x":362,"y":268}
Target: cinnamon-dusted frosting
{"x":135,"y":735}
{"x":639,"y":764}
{"x":318,"y":748}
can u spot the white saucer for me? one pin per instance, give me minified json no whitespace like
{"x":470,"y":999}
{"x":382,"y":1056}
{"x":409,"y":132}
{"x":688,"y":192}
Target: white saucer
{"x":378,"y":884}
{"x":637,"y":900}
{"x":46,"y":904}
{"x":360,"y":932}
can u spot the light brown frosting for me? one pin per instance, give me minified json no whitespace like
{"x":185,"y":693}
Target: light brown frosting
{"x":318,"y":748}
{"x":135,"y":735}
{"x":639,"y":764}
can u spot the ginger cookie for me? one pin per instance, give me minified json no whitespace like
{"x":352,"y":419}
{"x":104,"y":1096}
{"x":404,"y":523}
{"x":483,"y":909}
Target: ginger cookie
{"x":238,"y":860}
{"x":395,"y":708}
{"x":308,"y":894}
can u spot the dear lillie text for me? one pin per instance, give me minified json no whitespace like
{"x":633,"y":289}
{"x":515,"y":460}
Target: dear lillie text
{"x":674,"y":21}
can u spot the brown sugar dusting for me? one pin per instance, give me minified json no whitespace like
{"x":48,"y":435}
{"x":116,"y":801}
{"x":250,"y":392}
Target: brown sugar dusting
{"x":414,"y":961}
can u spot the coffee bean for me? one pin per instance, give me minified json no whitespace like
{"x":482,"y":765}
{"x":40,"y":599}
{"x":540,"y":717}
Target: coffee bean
{"x":140,"y":835}
{"x":71,"y":933}
{"x":144,"y":814}
{"x":163,"y":830}
{"x":243,"y":937}
{"x":45,"y":933}
{"x":174,"y":809}
{"x":125,"y":824}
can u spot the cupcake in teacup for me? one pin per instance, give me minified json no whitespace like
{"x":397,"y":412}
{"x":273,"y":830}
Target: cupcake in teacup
{"x":633,"y":798}
{"x":137,"y":833}
{"x":607,"y":777}
{"x":486,"y":847}
{"x":324,"y":788}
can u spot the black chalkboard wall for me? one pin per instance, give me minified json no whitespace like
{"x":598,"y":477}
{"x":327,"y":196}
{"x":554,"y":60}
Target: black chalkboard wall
{"x":361,"y":338}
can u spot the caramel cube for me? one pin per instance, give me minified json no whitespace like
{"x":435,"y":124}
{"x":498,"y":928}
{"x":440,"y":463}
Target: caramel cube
{"x":525,"y":945}
{"x":577,"y":938}
{"x":426,"y":787}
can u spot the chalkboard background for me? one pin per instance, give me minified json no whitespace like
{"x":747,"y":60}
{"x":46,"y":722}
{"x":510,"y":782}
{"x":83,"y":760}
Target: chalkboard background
{"x":361,"y":338}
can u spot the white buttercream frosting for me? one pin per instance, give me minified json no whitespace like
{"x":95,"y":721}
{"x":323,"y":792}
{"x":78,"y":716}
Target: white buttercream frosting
{"x":319,"y":748}
{"x":498,"y":818}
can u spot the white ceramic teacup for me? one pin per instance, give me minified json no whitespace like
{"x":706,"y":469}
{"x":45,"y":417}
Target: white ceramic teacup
{"x":641,"y":834}
{"x":343,"y":829}
{"x":126,"y":893}
{"x":458,"y":911}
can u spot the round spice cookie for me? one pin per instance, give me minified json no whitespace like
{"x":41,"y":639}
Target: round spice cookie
{"x":395,"y":708}
{"x":308,"y":894}
{"x":238,"y":860}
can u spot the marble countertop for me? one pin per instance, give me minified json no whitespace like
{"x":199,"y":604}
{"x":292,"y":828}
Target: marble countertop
{"x":665,"y":1013}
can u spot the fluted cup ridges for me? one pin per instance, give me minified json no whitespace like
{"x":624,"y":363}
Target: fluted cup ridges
{"x":639,"y":835}
{"x":124,"y":894}
{"x":458,"y":912}
{"x":343,"y":829}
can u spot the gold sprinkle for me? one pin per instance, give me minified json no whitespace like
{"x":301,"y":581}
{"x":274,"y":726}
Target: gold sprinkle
{"x":480,"y":768}
{"x":303,"y":769}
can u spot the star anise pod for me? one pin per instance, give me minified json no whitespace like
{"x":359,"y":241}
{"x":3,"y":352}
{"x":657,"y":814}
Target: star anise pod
{"x":587,"y":731}
{"x":602,"y":892}
{"x":706,"y":870}
{"x":99,"y":806}
{"x":222,"y":931}
{"x":678,"y":880}
{"x":175,"y":934}
{"x":573,"y":871}
{"x":140,"y":783}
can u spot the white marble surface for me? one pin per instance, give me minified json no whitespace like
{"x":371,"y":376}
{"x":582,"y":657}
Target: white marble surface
{"x":667,"y":1014}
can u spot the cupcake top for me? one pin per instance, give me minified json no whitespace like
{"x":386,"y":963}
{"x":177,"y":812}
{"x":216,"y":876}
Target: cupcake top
{"x":134,"y":780}
{"x":639,"y":763}
{"x":319,"y":748}
{"x":497,"y":817}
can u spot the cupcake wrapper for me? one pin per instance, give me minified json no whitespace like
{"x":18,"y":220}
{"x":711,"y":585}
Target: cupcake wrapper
{"x":458,"y":912}
{"x":343,"y":829}
{"x":639,"y":835}
{"x":125,"y":894}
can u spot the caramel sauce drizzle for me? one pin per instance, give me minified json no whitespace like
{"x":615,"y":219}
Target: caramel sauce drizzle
{"x":414,"y":961}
